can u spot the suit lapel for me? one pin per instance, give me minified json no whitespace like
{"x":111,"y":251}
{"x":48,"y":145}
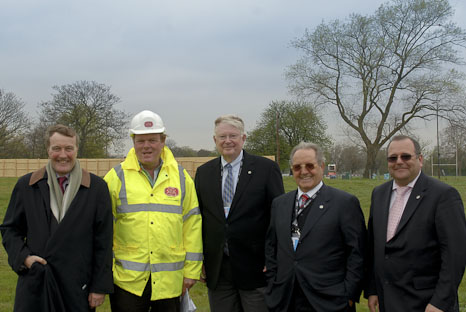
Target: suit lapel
{"x":381,"y":219}
{"x":217,"y":188}
{"x":247,"y":171}
{"x":284,"y":221}
{"x":319,"y":206}
{"x":417,"y":194}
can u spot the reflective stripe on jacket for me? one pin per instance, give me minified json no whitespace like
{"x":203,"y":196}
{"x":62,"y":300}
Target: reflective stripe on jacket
{"x":157,"y":230}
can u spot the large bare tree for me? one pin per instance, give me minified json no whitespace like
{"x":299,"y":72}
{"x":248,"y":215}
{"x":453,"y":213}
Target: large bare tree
{"x":384,"y":70}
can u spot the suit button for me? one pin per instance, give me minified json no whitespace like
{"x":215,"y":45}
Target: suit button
{"x":386,"y":282}
{"x":387,"y":257}
{"x":295,"y":263}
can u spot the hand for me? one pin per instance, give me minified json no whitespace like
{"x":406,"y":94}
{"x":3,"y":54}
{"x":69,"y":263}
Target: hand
{"x":350,"y":303}
{"x":203,"y":275}
{"x":431,"y":308}
{"x":373,"y":303}
{"x":188,"y":283}
{"x":29,"y":261}
{"x":265,"y":269}
{"x":95,"y":300}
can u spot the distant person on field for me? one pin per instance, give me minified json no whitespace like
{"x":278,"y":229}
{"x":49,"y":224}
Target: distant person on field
{"x":417,"y":237}
{"x":157,"y":231}
{"x":57,"y":232}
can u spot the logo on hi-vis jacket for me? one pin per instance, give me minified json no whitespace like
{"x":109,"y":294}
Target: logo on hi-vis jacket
{"x":171,"y":191}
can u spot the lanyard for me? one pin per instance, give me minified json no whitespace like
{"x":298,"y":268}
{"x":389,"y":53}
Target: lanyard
{"x":298,"y":210}
{"x":295,"y":231}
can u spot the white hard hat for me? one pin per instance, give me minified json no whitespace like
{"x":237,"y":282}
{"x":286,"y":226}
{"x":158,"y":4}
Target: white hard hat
{"x":146,"y":122}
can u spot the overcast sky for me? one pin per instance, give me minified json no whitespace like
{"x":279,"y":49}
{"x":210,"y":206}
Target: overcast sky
{"x":188,"y":61}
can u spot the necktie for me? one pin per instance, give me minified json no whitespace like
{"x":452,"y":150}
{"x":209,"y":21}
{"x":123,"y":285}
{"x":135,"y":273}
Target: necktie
{"x":303,"y":200}
{"x":61,"y":182}
{"x":228,"y":190}
{"x":396,"y":211}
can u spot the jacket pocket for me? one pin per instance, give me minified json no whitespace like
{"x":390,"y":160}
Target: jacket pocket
{"x":425,"y":282}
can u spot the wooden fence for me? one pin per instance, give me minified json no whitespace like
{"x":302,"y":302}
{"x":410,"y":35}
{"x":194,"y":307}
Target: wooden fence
{"x":19,"y":167}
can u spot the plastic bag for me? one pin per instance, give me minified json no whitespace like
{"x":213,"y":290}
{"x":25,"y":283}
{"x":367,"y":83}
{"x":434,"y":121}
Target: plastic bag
{"x":187,"y":304}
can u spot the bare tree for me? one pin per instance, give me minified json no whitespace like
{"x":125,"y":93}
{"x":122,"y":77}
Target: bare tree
{"x":13,"y":123}
{"x":382,"y":71}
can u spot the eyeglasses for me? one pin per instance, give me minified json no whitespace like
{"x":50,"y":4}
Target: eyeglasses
{"x":232,"y":137}
{"x":297,"y":168}
{"x":403,"y":157}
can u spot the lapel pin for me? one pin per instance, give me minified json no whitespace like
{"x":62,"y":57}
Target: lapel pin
{"x":418,"y":196}
{"x":249,"y":172}
{"x":321,"y":207}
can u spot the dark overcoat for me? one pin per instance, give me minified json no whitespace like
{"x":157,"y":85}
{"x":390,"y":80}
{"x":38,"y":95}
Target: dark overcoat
{"x":78,"y":250}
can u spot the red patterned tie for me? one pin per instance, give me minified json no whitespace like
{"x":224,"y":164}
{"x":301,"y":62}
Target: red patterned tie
{"x":303,"y":200}
{"x":61,"y":182}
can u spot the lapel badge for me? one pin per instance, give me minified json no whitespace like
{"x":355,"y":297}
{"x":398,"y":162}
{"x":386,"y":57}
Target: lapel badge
{"x":321,"y":207}
{"x":249,"y":172}
{"x":418,"y":196}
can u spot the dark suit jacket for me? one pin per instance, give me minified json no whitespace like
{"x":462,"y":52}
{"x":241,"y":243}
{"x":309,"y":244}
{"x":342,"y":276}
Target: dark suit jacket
{"x":259,"y":183}
{"x":424,"y":262}
{"x":329,"y":260}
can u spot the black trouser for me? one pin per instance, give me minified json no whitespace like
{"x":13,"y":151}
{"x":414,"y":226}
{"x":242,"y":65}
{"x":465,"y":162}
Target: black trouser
{"x":123,"y":301}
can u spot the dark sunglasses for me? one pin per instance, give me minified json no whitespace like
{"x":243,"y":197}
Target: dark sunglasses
{"x":297,"y":168}
{"x":404,"y":157}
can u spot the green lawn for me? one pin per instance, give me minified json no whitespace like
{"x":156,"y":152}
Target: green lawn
{"x":362,"y":188}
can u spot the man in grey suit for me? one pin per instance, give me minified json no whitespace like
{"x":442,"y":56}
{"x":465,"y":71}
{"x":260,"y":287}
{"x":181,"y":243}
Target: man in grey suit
{"x":315,"y":243}
{"x":235,"y":192}
{"x":417,"y":237}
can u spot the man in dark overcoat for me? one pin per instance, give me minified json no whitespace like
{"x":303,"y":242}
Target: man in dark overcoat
{"x":57,"y":232}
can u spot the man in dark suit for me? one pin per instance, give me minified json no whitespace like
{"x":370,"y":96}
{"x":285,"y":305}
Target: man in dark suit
{"x":235,"y":192}
{"x":417,"y":237}
{"x":315,"y":243}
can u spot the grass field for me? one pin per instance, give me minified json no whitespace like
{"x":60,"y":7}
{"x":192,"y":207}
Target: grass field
{"x":362,"y":188}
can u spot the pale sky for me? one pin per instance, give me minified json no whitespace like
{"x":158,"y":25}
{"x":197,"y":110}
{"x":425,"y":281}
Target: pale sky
{"x":188,"y":61}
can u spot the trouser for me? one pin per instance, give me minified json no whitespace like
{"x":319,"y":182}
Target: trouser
{"x":124,"y":301}
{"x":228,"y":298}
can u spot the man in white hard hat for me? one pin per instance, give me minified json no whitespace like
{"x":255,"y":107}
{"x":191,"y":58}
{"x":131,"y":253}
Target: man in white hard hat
{"x":157,"y":239}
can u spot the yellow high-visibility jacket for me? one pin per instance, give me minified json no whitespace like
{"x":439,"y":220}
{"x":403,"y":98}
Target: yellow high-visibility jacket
{"x":157,"y":230}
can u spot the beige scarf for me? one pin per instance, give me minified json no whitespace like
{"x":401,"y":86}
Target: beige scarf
{"x":59,"y":202}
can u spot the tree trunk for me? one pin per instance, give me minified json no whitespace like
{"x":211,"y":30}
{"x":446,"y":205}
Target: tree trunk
{"x":371,"y":155}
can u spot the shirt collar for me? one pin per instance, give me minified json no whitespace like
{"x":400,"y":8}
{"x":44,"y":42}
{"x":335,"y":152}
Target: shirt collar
{"x":410,"y":184}
{"x":311,"y":192}
{"x":234,"y":162}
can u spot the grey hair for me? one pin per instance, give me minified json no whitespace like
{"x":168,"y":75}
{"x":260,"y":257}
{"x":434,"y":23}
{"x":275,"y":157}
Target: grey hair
{"x":308,"y":145}
{"x":417,"y":146}
{"x":232,"y":120}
